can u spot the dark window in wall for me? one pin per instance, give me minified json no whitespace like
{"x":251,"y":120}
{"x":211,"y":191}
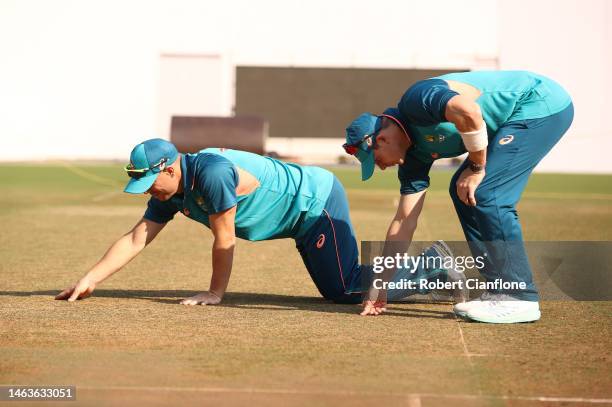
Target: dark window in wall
{"x":319,"y":102}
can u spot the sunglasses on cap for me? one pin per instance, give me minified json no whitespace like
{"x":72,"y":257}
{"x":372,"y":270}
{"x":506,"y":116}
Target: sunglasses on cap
{"x":353,"y":148}
{"x":140,"y":172}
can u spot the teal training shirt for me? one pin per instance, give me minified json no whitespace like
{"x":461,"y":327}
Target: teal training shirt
{"x":287,"y":202}
{"x":506,"y":96}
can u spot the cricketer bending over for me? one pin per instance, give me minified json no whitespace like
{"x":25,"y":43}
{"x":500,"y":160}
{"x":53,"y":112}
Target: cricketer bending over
{"x":507,"y":121}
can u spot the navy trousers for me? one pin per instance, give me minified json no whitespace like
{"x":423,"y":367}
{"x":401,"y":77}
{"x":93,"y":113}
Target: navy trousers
{"x":492,"y":228}
{"x":331,"y":256}
{"x":329,"y":251}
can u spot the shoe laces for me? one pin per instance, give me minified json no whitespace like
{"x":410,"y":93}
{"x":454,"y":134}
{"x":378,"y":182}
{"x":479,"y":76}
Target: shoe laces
{"x":496,"y":298}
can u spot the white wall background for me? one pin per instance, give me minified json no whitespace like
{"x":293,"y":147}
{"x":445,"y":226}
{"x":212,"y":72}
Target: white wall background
{"x":81,"y":79}
{"x":570,"y":41}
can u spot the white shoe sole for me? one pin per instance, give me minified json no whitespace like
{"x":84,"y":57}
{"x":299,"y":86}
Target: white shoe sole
{"x":463,"y":314}
{"x":515,"y":318}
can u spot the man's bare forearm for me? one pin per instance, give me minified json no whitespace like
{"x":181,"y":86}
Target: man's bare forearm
{"x":117,"y":256}
{"x":222,"y":260}
{"x":401,"y":230}
{"x":399,"y":237}
{"x":478,"y":157}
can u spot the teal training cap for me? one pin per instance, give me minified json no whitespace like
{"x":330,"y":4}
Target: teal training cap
{"x":360,"y":137}
{"x":147,"y":160}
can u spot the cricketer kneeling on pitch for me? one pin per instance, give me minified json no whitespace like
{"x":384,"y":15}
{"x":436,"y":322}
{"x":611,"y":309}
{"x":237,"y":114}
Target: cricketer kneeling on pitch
{"x":245,"y":195}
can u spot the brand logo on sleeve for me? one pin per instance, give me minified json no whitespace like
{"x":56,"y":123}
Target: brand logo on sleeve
{"x":200,"y":202}
{"x":506,"y":140}
{"x":321,"y":241}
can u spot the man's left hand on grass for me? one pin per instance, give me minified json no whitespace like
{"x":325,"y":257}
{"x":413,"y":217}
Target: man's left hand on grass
{"x":205,"y":298}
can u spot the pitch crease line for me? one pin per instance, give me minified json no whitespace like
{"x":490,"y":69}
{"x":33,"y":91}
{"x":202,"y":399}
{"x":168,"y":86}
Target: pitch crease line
{"x":347,"y":393}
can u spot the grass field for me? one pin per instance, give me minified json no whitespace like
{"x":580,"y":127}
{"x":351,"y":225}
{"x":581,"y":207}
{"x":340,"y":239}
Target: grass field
{"x":273,"y":340}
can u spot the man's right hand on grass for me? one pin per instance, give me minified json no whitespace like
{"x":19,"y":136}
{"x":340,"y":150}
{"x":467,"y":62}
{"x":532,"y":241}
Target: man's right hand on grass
{"x":374,"y":307}
{"x":81,"y":290}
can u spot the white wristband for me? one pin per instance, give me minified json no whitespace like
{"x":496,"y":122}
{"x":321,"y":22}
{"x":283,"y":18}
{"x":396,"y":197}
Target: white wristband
{"x":475,"y":140}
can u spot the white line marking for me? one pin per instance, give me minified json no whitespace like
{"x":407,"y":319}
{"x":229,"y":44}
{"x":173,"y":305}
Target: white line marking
{"x":104,"y":196}
{"x":468,"y":355}
{"x":88,"y":176}
{"x":414,"y":400}
{"x":409,"y":396}
{"x":483,"y":355}
{"x":465,"y":349}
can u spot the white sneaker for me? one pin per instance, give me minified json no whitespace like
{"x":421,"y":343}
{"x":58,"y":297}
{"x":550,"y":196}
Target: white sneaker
{"x":461,"y":309}
{"x":502,"y":309}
